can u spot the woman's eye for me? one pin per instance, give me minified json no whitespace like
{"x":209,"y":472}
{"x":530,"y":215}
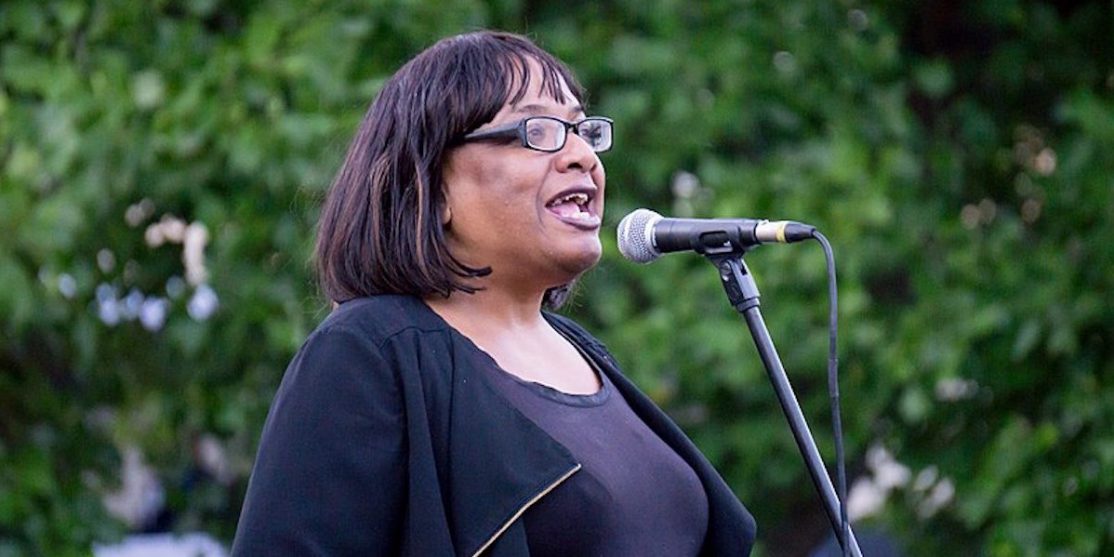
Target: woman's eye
{"x":592,"y":134}
{"x":539,"y":134}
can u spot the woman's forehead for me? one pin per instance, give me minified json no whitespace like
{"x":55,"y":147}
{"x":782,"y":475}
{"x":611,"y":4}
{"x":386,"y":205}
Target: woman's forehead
{"x":545,"y":93}
{"x":531,"y":79}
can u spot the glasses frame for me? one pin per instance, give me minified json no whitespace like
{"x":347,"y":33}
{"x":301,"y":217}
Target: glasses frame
{"x":518,"y":130}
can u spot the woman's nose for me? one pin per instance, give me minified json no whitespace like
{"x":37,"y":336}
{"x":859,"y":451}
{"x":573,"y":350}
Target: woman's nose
{"x":576,"y":154}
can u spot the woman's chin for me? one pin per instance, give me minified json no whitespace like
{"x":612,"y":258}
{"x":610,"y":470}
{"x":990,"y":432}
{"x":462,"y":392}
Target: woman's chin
{"x":581,"y":260}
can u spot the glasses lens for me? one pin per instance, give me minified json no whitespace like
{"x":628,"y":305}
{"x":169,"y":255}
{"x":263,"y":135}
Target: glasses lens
{"x":545,"y":134}
{"x":596,"y":132}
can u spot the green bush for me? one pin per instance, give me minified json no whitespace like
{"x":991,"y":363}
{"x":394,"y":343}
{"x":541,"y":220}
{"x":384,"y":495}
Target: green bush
{"x":955,"y":153}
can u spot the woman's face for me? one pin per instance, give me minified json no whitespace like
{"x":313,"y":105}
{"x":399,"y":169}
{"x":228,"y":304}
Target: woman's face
{"x":533,"y":217}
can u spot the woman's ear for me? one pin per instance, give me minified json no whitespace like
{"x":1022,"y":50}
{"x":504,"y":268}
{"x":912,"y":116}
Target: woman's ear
{"x":446,"y":215}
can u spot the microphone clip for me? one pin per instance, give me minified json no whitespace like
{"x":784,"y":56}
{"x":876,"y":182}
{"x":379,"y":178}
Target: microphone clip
{"x":738,"y":283}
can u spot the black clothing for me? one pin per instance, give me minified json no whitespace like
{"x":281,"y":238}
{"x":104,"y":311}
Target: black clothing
{"x":385,"y":439}
{"x":634,"y":494}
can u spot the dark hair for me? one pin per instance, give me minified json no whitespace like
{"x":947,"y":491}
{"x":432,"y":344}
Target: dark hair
{"x":380,"y":227}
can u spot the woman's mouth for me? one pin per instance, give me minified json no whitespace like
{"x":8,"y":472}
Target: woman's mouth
{"x":574,"y":208}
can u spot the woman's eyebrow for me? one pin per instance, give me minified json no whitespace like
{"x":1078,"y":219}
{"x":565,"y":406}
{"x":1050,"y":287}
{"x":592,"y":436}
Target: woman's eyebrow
{"x":535,"y":109}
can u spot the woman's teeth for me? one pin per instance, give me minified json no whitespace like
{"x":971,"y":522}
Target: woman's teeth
{"x":579,"y":198}
{"x":572,"y":206}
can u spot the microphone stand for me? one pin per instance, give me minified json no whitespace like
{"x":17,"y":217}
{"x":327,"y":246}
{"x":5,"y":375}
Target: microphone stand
{"x":743,"y":293}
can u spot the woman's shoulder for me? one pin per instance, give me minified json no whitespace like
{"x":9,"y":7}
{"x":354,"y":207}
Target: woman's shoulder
{"x":379,"y":318}
{"x":385,"y":332}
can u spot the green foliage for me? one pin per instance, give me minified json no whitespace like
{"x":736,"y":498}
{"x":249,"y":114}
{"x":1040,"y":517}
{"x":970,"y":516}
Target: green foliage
{"x":955,"y":153}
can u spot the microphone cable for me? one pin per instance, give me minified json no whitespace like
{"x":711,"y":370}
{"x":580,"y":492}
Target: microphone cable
{"x":833,"y":391}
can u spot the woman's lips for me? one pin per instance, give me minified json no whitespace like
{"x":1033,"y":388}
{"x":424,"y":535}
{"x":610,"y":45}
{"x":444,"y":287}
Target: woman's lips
{"x":577,"y":217}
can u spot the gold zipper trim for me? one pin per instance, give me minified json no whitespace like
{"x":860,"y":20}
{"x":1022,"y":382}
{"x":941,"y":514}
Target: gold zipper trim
{"x":528,"y":504}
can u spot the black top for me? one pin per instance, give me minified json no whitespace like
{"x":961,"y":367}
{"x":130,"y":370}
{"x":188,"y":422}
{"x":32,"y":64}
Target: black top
{"x":384,"y":439}
{"x":634,"y":495}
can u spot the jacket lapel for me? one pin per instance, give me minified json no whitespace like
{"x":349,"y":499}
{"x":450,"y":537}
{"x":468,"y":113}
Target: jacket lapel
{"x":502,"y":463}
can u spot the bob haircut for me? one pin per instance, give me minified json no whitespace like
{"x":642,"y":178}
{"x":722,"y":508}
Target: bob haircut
{"x":380,"y":229}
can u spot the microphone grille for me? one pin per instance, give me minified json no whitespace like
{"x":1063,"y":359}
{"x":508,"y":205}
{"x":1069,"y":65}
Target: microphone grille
{"x":636,"y":236}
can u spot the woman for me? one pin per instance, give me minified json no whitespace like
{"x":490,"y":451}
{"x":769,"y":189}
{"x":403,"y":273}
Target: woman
{"x":438,"y":410}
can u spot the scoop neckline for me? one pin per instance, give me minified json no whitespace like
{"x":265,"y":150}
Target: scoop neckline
{"x":542,"y":389}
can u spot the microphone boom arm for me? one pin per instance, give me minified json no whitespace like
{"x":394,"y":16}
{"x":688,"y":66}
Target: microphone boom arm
{"x":742,"y":291}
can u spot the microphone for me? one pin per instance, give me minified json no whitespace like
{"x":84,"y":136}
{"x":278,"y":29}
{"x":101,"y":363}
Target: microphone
{"x":645,"y":235}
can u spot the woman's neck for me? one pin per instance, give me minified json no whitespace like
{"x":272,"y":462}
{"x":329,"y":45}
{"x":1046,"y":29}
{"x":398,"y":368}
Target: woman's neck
{"x":514,"y":333}
{"x":489,"y":309}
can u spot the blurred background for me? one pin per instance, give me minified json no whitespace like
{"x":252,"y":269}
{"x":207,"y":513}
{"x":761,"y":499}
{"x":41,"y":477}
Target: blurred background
{"x":163,"y":163}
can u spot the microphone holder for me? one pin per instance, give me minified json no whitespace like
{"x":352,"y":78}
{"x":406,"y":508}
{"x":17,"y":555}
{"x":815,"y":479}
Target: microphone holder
{"x":743,"y":293}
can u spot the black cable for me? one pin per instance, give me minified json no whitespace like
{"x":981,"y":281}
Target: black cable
{"x":833,"y":392}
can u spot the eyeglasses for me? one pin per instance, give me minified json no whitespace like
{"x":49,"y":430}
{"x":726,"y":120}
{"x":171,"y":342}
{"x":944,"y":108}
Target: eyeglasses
{"x":548,"y":134}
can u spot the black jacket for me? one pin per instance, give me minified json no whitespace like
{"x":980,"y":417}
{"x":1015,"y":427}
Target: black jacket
{"x":385,"y":439}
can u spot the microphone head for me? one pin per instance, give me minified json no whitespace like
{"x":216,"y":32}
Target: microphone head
{"x":636,"y":236}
